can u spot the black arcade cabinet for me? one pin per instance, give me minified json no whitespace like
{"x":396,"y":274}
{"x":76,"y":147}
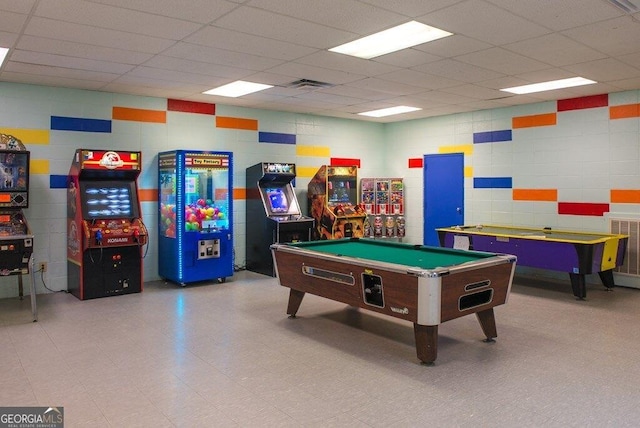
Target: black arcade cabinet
{"x":273,"y":213}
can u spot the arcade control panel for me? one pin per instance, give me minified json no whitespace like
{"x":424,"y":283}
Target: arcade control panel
{"x":115,"y":232}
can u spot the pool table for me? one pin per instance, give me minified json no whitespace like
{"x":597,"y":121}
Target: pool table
{"x":578,"y":253}
{"x":423,"y":285}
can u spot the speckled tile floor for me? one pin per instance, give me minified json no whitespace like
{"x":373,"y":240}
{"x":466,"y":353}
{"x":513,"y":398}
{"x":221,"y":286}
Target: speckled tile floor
{"x":226,"y":355}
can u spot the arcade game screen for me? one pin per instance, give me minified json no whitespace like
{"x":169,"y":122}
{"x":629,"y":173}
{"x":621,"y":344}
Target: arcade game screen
{"x":108,"y":199}
{"x":278,"y":200}
{"x":14,"y":171}
{"x":342,"y":189}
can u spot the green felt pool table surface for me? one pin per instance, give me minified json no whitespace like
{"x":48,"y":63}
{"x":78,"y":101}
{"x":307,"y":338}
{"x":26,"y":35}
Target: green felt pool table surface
{"x":394,"y":252}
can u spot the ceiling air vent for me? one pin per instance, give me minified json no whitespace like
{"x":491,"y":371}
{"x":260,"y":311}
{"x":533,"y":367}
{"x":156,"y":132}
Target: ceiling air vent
{"x":628,"y":6}
{"x":308,"y":85}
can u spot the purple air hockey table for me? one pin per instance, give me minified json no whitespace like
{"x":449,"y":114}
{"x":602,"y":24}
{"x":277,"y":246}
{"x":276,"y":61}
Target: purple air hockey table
{"x":578,"y":253}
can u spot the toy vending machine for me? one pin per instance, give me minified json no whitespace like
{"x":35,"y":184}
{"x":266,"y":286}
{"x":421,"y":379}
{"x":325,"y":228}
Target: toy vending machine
{"x":383,"y":201}
{"x":333,"y":202}
{"x":16,"y":239}
{"x":196,"y":208}
{"x":273,"y":213}
{"x":105,"y":232}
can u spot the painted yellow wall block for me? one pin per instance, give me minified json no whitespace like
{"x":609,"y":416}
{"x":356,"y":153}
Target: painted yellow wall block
{"x":467,"y":149}
{"x":39,"y":166}
{"x":28,"y":136}
{"x":315,"y":151}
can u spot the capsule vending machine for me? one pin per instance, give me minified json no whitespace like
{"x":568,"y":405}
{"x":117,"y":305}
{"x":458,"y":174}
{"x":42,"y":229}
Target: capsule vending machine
{"x":106,"y":238}
{"x":195,"y":240}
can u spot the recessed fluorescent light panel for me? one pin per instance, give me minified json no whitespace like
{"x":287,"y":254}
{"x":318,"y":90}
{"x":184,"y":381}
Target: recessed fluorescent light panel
{"x":394,"y":39}
{"x":548,"y":86}
{"x":237,"y":89}
{"x":389,"y":111}
{"x":3,"y":55}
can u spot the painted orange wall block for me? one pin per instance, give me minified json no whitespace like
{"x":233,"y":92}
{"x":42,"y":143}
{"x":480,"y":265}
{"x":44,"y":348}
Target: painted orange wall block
{"x":240,"y":193}
{"x":625,"y":196}
{"x":148,"y":195}
{"x":547,"y":195}
{"x":236,"y":123}
{"x":624,"y":111}
{"x":139,"y":115}
{"x":535,"y":120}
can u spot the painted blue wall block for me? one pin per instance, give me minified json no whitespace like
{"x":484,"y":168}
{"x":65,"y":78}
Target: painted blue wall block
{"x":61,"y":123}
{"x":276,"y":138}
{"x":57,"y":181}
{"x":493,"y":183}
{"x":492,"y":136}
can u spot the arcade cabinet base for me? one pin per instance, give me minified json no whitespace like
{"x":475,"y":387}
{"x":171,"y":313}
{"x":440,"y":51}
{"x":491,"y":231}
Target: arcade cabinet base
{"x":106,"y":272}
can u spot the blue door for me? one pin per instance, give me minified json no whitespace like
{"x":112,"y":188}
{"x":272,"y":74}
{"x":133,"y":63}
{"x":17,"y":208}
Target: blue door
{"x":443,"y":194}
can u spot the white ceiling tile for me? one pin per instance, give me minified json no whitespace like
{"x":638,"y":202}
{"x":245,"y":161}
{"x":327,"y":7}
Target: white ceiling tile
{"x":453,"y":46}
{"x":211,"y":55}
{"x":560,"y":15}
{"x":479,"y":19}
{"x":419,"y":79}
{"x":81,"y":50}
{"x":113,"y":18}
{"x":347,"y":15}
{"x":248,"y":43}
{"x":407,"y":58}
{"x":94,"y":36}
{"x":22,"y":6}
{"x":69,"y":62}
{"x":43,"y":79}
{"x":346,"y":63}
{"x":475,"y":91}
{"x":458,"y":71}
{"x":202,"y":11}
{"x":387,"y":86}
{"x":617,"y":36}
{"x":278,"y":27}
{"x":60,"y":72}
{"x":302,"y":71}
{"x":604,"y":70}
{"x":502,"y":61}
{"x":7,"y":40}
{"x":12,"y":22}
{"x":410,"y":8}
{"x":180,"y":76}
{"x":555,"y":49}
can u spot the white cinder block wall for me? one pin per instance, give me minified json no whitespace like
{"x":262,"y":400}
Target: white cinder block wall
{"x":583,"y":156}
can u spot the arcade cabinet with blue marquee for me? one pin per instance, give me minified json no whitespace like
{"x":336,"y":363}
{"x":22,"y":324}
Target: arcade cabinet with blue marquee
{"x":105,"y":232}
{"x":195,"y":241}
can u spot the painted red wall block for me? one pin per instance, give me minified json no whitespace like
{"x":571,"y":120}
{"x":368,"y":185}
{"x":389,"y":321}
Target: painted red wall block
{"x":344,"y":162}
{"x":415,"y":163}
{"x":582,"y":208}
{"x":580,"y":103}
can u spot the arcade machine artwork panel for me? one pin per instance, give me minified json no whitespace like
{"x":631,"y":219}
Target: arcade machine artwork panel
{"x":196,"y":215}
{"x":16,"y":239}
{"x":105,"y":232}
{"x":333,"y":202}
{"x":273,"y":213}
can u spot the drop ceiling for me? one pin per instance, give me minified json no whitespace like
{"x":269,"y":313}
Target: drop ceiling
{"x":178,"y":49}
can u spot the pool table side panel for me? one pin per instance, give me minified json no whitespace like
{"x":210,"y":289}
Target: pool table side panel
{"x":400,"y":291}
{"x":499,"y":279}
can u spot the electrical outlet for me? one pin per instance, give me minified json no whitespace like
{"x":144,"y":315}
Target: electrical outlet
{"x":43,"y":266}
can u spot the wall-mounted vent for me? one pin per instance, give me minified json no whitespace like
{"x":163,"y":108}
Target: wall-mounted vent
{"x":628,"y":6}
{"x":631,"y":227}
{"x":308,"y":85}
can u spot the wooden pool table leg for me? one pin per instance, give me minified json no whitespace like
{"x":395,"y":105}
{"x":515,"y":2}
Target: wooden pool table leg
{"x":488,"y":324}
{"x":295,"y":299}
{"x":426,"y":342}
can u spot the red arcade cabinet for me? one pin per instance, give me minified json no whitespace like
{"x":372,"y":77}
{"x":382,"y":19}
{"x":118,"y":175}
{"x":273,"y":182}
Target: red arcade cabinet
{"x":105,"y":232}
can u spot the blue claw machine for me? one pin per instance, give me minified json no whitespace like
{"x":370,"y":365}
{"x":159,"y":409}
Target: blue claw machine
{"x":196,"y":215}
